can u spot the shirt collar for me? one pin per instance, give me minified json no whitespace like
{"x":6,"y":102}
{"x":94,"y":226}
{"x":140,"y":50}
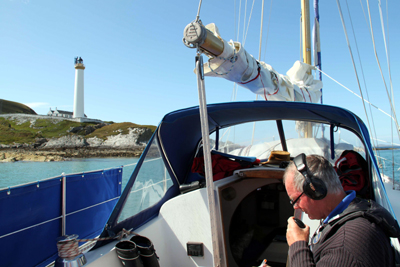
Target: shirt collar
{"x":351,"y":194}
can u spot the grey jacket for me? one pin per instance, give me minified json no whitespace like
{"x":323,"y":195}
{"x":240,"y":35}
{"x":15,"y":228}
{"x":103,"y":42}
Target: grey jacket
{"x":359,"y":236}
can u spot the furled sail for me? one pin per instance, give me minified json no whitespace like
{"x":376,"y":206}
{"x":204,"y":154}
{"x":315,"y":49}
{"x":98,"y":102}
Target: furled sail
{"x":237,"y":65}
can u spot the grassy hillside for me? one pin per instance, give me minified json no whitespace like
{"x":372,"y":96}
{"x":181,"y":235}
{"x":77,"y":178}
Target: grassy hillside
{"x":8,"y":107}
{"x":116,"y":128}
{"x":11,"y":131}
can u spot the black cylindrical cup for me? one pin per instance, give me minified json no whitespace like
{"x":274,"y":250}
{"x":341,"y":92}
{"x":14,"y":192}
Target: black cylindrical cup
{"x":128,"y":253}
{"x":147,"y":251}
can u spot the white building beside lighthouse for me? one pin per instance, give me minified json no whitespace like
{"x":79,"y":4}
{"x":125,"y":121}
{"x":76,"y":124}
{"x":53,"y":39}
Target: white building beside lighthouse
{"x":79,"y":92}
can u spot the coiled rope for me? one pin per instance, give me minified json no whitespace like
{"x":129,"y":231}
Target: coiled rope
{"x":69,"y":247}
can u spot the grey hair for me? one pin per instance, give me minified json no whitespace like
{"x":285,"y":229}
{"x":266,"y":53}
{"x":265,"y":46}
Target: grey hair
{"x":319,"y":167}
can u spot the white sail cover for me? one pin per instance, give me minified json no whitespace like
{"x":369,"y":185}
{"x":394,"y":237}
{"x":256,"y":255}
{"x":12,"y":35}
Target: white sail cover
{"x":236,"y":65}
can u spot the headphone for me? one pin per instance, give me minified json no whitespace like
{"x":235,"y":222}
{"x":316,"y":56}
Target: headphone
{"x":313,"y":186}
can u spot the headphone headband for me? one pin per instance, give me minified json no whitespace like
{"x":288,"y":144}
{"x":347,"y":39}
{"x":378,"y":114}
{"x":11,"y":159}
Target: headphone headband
{"x":301,"y":165}
{"x":313,"y":187}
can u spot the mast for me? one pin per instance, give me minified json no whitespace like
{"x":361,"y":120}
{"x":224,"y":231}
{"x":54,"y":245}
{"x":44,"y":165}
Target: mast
{"x":305,"y":28}
{"x":306,"y":42}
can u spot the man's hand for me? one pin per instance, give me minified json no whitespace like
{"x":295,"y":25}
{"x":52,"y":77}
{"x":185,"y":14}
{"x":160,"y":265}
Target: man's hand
{"x":295,"y":233}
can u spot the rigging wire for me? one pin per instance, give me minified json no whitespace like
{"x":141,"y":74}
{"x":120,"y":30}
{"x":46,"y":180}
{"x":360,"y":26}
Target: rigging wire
{"x":352,"y":58}
{"x":355,"y":93}
{"x":245,"y":32}
{"x":244,"y":22}
{"x":318,"y":59}
{"x":198,"y":11}
{"x":259,"y":58}
{"x":391,"y":121}
{"x":266,"y":41}
{"x":387,"y":142}
{"x":248,"y":23}
{"x":386,"y":47}
{"x":356,"y":71}
{"x":234,"y":17}
{"x":390,"y":73}
{"x":365,"y":83}
{"x":238,"y":22}
{"x":365,"y":16}
{"x":235,"y":86}
{"x":393,"y":112}
{"x":380,"y":69}
{"x":391,"y":86}
{"x":362,"y":72}
{"x":269,"y":19}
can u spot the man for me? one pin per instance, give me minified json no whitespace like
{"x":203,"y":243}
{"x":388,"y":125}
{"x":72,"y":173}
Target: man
{"x":352,"y":232}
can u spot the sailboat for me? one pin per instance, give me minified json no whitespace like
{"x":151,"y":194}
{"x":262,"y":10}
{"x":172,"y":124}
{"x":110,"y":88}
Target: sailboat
{"x":195,"y":219}
{"x":198,"y":215}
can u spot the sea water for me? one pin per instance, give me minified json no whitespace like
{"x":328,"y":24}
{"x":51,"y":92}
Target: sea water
{"x":389,"y":161}
{"x":22,"y":172}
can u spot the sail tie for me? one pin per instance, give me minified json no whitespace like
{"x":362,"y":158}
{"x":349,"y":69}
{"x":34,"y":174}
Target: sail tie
{"x":231,"y":59}
{"x":255,"y":78}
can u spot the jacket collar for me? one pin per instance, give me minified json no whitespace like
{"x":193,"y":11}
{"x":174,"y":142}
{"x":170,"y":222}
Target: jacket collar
{"x":351,"y":195}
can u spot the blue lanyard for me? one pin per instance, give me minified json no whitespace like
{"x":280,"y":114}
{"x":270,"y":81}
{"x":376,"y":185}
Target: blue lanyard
{"x":351,"y":194}
{"x":333,"y":215}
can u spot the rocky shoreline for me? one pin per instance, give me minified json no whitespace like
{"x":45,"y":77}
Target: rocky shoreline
{"x":23,"y":154}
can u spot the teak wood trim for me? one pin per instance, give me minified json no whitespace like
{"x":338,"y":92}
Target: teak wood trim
{"x":270,"y":174}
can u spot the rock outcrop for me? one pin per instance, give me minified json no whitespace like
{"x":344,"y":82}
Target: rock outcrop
{"x":17,"y":155}
{"x":136,"y":138}
{"x":69,"y":141}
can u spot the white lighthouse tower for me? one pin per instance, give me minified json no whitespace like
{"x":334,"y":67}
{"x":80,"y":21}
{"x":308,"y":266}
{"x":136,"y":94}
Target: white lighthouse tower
{"x":78,"y":95}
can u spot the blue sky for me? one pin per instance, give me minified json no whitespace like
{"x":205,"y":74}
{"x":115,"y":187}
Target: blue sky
{"x":137,"y":68}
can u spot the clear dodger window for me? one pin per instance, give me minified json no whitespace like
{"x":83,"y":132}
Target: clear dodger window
{"x":260,"y":138}
{"x":151,"y":184}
